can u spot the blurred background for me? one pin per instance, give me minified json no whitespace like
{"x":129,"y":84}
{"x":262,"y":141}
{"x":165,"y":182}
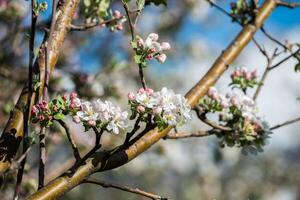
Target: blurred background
{"x":98,"y":63}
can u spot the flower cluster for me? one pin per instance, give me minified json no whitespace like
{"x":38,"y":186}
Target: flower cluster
{"x":98,"y":114}
{"x":104,"y":115}
{"x":117,"y":25}
{"x":164,"y":107}
{"x":149,"y":49}
{"x":242,"y":78}
{"x":240,"y":113}
{"x":45,"y":112}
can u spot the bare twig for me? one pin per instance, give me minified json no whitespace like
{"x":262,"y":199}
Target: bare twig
{"x":27,"y":110}
{"x":42,"y":158}
{"x":214,"y":125}
{"x":134,"y":130}
{"x":286,"y":123}
{"x":74,"y":147}
{"x":93,"y":25}
{"x":126,"y":189}
{"x":131,"y":25}
{"x":288,"y":4}
{"x":270,"y":60}
{"x":283,"y":60}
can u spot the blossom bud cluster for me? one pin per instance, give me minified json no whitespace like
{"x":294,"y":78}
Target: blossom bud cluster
{"x":243,"y":78}
{"x":165,"y":107}
{"x":149,"y":49}
{"x":118,"y":24}
{"x":45,"y":112}
{"x":98,"y":114}
{"x":239,"y":112}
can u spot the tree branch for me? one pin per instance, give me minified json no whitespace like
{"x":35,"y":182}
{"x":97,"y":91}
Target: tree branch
{"x":285,"y":123}
{"x":93,"y":25}
{"x":126,"y":189}
{"x":73,"y":145}
{"x":182,"y":135}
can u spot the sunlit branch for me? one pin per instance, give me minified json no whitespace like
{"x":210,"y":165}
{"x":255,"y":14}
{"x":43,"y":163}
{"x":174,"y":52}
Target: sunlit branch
{"x":182,"y":135}
{"x":126,"y":189}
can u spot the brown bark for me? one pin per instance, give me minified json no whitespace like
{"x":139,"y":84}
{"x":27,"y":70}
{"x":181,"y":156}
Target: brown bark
{"x":100,"y":161}
{"x":14,"y":130}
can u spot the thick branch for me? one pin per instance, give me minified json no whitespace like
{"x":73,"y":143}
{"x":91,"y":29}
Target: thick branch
{"x":126,"y":189}
{"x":100,"y":162}
{"x":13,"y":132}
{"x":182,"y":135}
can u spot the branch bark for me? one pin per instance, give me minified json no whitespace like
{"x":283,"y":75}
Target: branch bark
{"x":101,"y":161}
{"x":13,"y":132}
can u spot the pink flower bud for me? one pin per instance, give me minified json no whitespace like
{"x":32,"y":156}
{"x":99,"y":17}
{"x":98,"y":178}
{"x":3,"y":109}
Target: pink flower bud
{"x":117,"y":14}
{"x":44,"y":105}
{"x":247,"y":76}
{"x":64,"y":97}
{"x":149,"y":56}
{"x":254,"y":74}
{"x":50,"y":117}
{"x":72,"y":105}
{"x":55,"y":108}
{"x":224,"y":104}
{"x":211,"y":91}
{"x":153,"y":36}
{"x":141,"y":91}
{"x":140,"y":42}
{"x":34,"y":110}
{"x":161,"y":58}
{"x":234,"y":101}
{"x":92,"y":122}
{"x":165,"y":46}
{"x":215,"y":96}
{"x":149,"y":91}
{"x":119,"y":27}
{"x":152,"y":50}
{"x":73,"y":95}
{"x":41,"y":117}
{"x":76,"y":119}
{"x":141,"y":109}
{"x":131,"y":96}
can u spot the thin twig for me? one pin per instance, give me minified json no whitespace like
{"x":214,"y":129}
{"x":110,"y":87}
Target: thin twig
{"x":131,"y":25}
{"x":96,"y":147}
{"x":270,"y":60}
{"x":126,"y":189}
{"x":214,"y":125}
{"x":288,"y":4}
{"x":74,"y":147}
{"x":134,"y":130}
{"x":42,"y":135}
{"x":27,"y":111}
{"x":92,"y":25}
{"x":285,"y":59}
{"x":285,"y":123}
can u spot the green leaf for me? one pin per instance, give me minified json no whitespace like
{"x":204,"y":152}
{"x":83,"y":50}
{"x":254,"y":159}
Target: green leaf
{"x":137,"y":58}
{"x":59,"y":116}
{"x":103,"y":7}
{"x":87,"y":3}
{"x":140,"y":4}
